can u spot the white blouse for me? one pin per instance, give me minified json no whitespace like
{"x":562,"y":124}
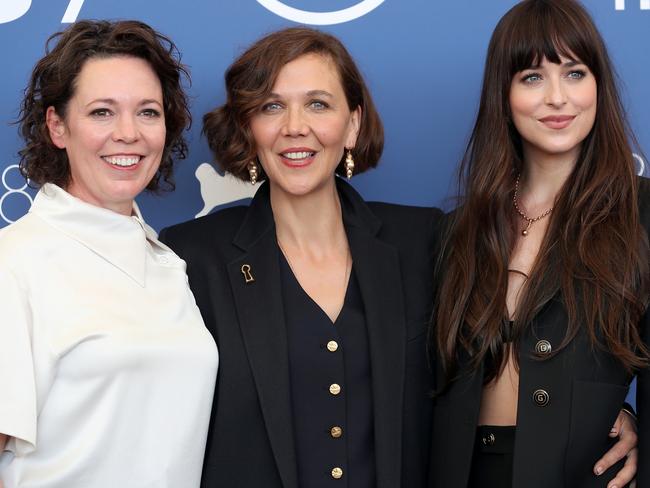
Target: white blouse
{"x":107,"y":372}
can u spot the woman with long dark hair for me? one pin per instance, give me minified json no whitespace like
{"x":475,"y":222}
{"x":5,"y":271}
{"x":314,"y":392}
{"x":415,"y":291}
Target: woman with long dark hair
{"x":541,"y":305}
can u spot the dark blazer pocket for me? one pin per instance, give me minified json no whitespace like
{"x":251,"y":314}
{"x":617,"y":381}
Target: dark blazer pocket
{"x":594,"y":408}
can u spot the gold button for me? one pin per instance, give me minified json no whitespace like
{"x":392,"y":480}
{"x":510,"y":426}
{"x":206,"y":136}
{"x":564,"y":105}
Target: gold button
{"x":335,"y":389}
{"x":336,"y":432}
{"x":337,"y":473}
{"x":332,"y":346}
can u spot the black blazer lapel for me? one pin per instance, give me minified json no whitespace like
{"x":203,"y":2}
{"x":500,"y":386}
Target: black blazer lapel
{"x":261,"y":319}
{"x":377,"y":268}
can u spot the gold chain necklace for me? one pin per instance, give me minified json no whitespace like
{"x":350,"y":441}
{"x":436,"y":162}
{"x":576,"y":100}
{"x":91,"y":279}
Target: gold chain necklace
{"x":346,"y":272}
{"x":522,"y":214}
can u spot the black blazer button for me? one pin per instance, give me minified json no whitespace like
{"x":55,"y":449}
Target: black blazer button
{"x":541,"y":398}
{"x":543,"y":347}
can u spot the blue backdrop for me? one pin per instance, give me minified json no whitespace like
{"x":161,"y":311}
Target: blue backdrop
{"x":422,"y":59}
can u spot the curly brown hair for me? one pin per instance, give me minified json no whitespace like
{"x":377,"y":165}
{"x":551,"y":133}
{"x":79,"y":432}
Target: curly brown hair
{"x":53,"y":82}
{"x":249,"y":82}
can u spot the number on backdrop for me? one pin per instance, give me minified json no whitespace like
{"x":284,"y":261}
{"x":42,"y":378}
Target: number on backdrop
{"x":11,"y":10}
{"x":11,"y":191}
{"x":72,"y":12}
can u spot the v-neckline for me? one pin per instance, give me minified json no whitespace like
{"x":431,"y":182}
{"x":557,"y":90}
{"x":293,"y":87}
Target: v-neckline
{"x":294,"y":279}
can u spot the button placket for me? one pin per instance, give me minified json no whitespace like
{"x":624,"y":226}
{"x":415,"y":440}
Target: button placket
{"x":335,"y":431}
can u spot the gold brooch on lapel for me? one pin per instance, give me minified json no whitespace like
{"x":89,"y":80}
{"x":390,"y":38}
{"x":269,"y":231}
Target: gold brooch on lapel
{"x":246,"y":271}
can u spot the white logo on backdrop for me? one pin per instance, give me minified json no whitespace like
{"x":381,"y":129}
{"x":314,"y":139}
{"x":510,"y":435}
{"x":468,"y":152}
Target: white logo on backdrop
{"x":218,"y":190}
{"x":11,"y":10}
{"x":11,"y":191}
{"x":641,"y":166}
{"x":643,"y":4}
{"x":320,"y":18}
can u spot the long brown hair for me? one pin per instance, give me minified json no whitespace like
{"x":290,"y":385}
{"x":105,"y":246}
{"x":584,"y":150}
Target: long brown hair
{"x":588,"y":254}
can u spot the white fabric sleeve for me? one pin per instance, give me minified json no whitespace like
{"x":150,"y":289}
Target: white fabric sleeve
{"x":18,"y":406}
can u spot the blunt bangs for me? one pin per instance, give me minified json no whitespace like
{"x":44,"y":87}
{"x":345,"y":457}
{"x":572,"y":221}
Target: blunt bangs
{"x":545,"y":29}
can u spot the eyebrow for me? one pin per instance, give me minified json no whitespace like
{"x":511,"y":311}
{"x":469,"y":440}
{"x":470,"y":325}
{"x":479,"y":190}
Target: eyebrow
{"x":112,"y":101}
{"x":310,"y":93}
{"x":569,"y":64}
{"x":319,"y":93}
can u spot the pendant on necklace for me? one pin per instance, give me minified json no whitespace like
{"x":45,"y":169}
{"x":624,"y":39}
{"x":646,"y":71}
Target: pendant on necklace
{"x":525,"y":231}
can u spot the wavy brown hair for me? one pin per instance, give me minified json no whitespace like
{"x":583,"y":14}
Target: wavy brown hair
{"x":249,"y":82}
{"x":594,"y":253}
{"x":53,"y":81}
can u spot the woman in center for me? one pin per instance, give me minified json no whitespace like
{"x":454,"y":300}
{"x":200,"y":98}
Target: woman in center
{"x":318,"y":300}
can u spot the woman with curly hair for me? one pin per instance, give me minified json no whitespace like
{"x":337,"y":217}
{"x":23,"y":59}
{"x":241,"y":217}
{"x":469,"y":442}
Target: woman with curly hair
{"x":106,"y":368}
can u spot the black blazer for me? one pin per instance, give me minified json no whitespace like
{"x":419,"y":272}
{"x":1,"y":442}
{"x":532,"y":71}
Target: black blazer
{"x":250,"y":442}
{"x":566,"y":408}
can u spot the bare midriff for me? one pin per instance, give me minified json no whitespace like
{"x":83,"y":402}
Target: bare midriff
{"x":500,"y":396}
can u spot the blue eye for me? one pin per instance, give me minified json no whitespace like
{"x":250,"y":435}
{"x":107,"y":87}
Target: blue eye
{"x":531,"y":78}
{"x":577,"y":74}
{"x":271,"y":107}
{"x":318,"y":105}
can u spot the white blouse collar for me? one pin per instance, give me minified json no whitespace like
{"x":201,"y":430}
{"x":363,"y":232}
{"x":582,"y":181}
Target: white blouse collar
{"x":118,"y":239}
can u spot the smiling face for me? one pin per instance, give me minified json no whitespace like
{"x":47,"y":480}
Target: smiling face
{"x":553,"y":108}
{"x":303,"y":128}
{"x":113,"y":131}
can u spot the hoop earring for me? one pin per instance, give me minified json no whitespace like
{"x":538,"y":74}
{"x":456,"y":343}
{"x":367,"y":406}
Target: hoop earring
{"x":252,"y":172}
{"x":349,"y":164}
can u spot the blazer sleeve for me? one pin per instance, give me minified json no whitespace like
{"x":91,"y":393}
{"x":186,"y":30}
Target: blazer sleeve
{"x":643,"y":376}
{"x":643,"y":411}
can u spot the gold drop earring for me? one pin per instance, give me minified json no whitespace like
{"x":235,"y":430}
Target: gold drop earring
{"x":252,"y":172}
{"x":349,"y":164}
